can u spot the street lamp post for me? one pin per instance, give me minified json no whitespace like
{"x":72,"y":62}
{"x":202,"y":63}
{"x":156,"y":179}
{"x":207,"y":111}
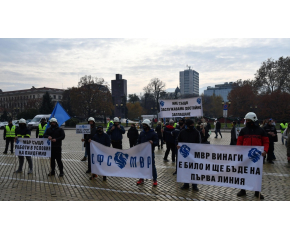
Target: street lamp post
{"x":225,"y":108}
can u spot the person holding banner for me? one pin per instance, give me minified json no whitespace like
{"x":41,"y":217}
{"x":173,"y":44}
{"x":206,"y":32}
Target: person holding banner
{"x":116,"y":131}
{"x":23,"y":132}
{"x":146,"y":135}
{"x":56,"y":135}
{"x":41,"y":128}
{"x":102,"y":138}
{"x":87,"y":140}
{"x":253,"y":135}
{"x":189,"y":135}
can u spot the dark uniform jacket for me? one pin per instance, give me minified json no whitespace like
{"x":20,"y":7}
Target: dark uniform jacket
{"x":102,"y":139}
{"x":56,"y":133}
{"x":117,"y":133}
{"x":218,"y":126}
{"x":133,"y":133}
{"x":167,"y":134}
{"x":90,"y":136}
{"x":147,"y":136}
{"x":23,"y":131}
{"x":233,"y":136}
{"x":253,"y":136}
{"x":271,"y":128}
{"x":189,"y":136}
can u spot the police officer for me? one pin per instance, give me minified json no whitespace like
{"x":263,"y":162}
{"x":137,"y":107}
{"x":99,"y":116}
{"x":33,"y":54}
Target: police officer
{"x":102,"y":138}
{"x":148,"y":135}
{"x":41,"y":128}
{"x":283,"y":126}
{"x":252,"y":135}
{"x":189,"y":135}
{"x":272,"y":135}
{"x":23,"y":132}
{"x":9,"y":135}
{"x":87,"y":139}
{"x":116,"y":132}
{"x":110,"y":123}
{"x":56,"y":135}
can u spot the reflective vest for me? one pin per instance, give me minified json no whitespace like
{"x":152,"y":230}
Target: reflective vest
{"x":22,"y":136}
{"x":10,"y":132}
{"x":174,"y":125}
{"x":284,"y":126}
{"x":41,"y":130}
{"x":108,"y":125}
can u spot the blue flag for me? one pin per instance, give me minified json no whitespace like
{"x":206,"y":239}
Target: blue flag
{"x":60,"y":114}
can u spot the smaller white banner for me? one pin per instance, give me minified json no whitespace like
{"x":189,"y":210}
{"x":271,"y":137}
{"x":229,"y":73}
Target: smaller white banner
{"x":225,"y":113}
{"x":238,"y":129}
{"x":221,"y":165}
{"x":34,"y":147}
{"x":135,"y":162}
{"x":188,"y":107}
{"x":83,"y":129}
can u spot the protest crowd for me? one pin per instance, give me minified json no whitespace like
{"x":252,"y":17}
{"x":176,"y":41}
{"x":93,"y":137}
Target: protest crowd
{"x":167,"y":133}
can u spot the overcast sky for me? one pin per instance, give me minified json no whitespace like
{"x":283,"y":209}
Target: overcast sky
{"x":61,"y":62}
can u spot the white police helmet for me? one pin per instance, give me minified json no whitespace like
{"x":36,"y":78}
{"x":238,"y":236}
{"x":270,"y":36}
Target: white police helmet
{"x":53,"y":120}
{"x":116,"y":119}
{"x":147,"y":122}
{"x":91,"y":119}
{"x":252,"y":116}
{"x":22,"y":120}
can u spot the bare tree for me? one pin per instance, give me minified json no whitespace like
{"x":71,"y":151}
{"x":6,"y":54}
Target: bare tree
{"x":157,"y":88}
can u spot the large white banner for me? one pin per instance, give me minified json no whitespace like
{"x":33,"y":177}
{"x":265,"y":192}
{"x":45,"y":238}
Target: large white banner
{"x":189,"y":107}
{"x":83,"y":129}
{"x":34,"y":147}
{"x":135,"y":162}
{"x":221,"y":165}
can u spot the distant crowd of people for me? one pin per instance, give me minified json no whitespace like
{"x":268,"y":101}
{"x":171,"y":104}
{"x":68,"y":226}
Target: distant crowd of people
{"x":167,"y":133}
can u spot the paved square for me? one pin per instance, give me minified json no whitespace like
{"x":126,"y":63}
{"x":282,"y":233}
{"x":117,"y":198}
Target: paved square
{"x":76,"y":186}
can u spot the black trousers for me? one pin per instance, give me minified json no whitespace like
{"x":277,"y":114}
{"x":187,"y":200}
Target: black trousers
{"x":88,"y":149}
{"x":218,"y":131}
{"x":133,"y":142}
{"x":56,"y":155}
{"x":170,"y":146}
{"x":117,"y":145}
{"x":160,"y":138}
{"x":11,"y":141}
{"x":21,"y":161}
{"x":270,"y":154}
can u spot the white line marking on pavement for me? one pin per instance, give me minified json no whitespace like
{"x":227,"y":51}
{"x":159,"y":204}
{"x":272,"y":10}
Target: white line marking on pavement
{"x":5,"y":164}
{"x":277,"y":174}
{"x":104,"y":189}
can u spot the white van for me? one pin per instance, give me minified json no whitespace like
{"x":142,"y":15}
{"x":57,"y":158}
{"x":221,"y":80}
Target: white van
{"x":36,"y":121}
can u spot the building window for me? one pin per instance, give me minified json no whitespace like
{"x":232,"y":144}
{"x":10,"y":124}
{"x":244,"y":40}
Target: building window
{"x":54,"y":97}
{"x":59,"y":97}
{"x":33,"y":96}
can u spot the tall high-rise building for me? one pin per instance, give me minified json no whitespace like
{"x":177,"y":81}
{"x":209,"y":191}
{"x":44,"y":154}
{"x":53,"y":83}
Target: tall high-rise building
{"x":119,"y":95}
{"x":189,"y":82}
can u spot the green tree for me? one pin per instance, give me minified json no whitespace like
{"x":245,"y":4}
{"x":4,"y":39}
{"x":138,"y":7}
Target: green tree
{"x":4,"y":116}
{"x":47,"y":104}
{"x":133,"y":98}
